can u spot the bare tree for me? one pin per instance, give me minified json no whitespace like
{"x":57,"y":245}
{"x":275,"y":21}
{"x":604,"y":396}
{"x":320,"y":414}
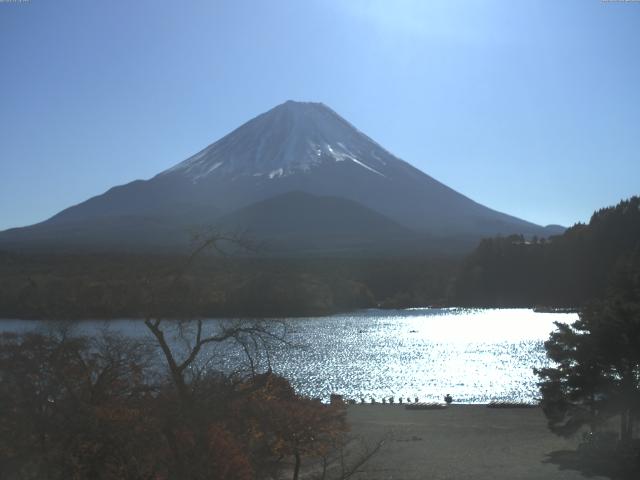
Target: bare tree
{"x":253,"y":337}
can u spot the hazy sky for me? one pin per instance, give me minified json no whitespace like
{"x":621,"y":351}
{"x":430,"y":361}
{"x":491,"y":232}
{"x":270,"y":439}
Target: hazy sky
{"x":529,"y":107}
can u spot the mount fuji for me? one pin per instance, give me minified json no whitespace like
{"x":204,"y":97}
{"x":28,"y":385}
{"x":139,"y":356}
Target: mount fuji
{"x":299,"y":177}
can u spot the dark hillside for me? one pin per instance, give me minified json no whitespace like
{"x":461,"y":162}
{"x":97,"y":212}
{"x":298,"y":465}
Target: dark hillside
{"x":566,"y":270}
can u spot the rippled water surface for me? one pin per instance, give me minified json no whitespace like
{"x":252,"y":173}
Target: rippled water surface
{"x":475,"y":355}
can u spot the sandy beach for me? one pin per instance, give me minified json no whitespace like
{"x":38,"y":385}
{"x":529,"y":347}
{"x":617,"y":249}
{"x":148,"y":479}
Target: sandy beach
{"x":462,"y":442}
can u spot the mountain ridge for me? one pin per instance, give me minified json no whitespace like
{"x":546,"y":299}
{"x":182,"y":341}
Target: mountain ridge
{"x":294,"y":147}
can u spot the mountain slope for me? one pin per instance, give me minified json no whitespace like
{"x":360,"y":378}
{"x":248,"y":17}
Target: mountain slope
{"x":295,"y":147}
{"x":297,"y":221}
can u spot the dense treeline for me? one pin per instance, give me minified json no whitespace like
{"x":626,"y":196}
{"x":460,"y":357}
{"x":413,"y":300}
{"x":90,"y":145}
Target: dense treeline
{"x":111,"y":285}
{"x":566,"y":270}
{"x":562,"y":271}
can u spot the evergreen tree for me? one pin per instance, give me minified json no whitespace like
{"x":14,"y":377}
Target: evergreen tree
{"x":597,"y":371}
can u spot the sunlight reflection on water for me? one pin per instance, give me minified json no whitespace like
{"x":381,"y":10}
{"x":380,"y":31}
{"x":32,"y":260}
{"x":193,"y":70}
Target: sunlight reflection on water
{"x":476,"y":355}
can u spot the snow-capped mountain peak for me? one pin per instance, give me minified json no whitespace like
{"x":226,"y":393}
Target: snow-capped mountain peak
{"x":297,"y":169}
{"x":293,"y":137}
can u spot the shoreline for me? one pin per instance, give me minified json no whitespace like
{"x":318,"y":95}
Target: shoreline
{"x":292,"y":315}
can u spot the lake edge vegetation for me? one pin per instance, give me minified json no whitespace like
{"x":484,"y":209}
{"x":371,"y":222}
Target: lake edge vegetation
{"x":565,"y":271}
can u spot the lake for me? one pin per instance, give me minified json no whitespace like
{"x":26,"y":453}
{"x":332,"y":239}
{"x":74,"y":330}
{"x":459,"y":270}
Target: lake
{"x":476,"y":355}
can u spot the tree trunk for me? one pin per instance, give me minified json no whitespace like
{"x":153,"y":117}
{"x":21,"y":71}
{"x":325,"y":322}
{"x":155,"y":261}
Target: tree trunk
{"x":296,"y":469}
{"x":630,"y":419}
{"x":625,"y":430}
{"x":174,"y":370}
{"x":178,"y":464}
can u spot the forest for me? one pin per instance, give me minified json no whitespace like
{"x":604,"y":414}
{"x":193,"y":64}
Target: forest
{"x":562,"y":271}
{"x":117,"y":286}
{"x":511,"y":271}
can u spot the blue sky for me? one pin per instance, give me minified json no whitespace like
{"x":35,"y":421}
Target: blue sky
{"x":529,"y":107}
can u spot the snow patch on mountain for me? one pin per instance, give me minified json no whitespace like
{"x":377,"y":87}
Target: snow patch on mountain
{"x":292,"y":138}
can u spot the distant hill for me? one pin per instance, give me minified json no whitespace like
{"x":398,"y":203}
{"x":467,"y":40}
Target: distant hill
{"x":297,"y":221}
{"x":295,"y":147}
{"x":566,"y":270}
